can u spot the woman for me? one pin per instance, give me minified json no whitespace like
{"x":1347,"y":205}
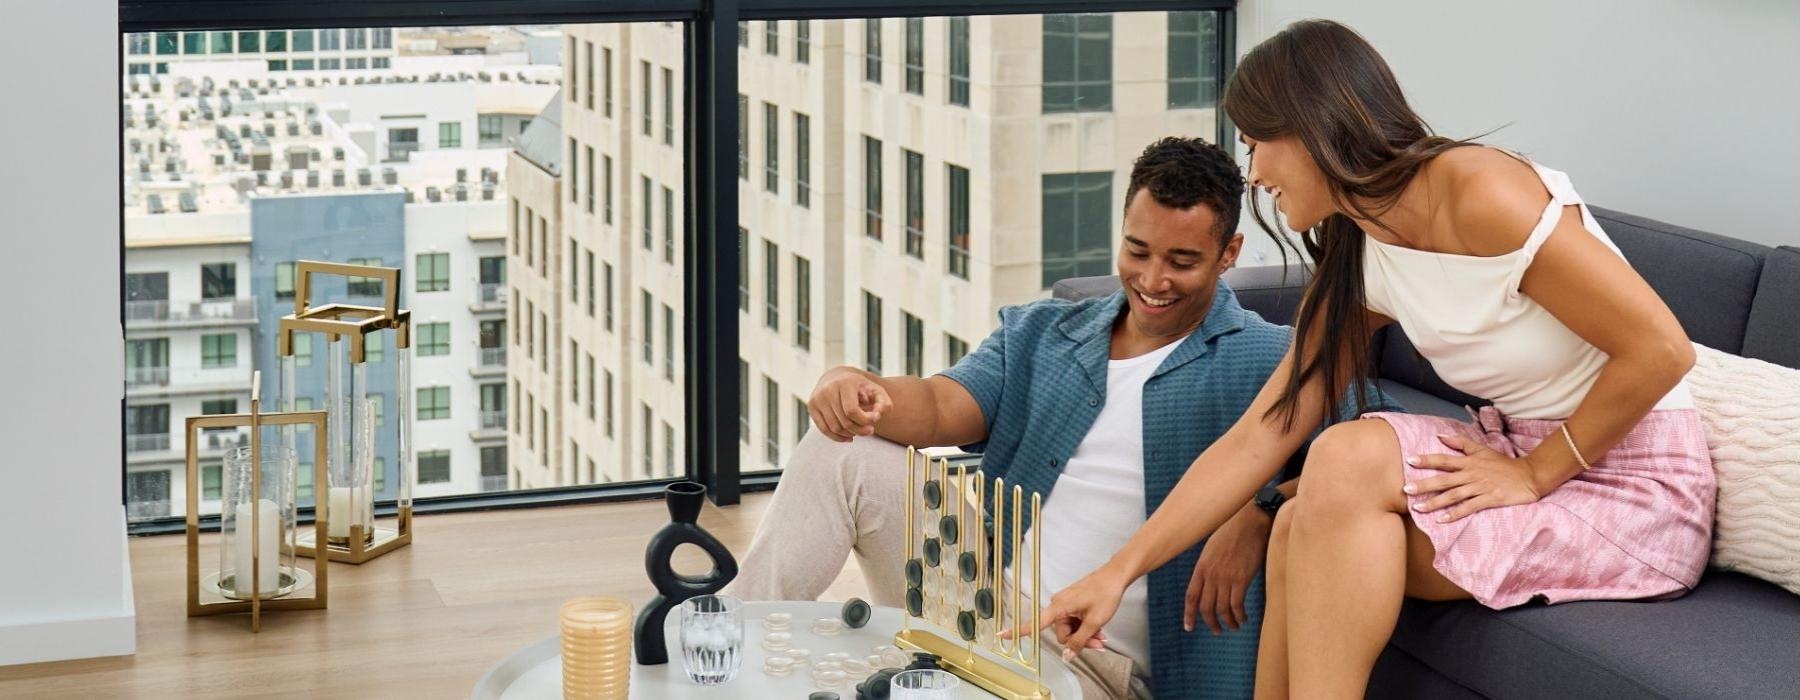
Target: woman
{"x":1587,"y":479}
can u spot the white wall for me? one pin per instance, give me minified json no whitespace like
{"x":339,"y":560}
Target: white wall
{"x":65,"y":585}
{"x":1679,"y":110}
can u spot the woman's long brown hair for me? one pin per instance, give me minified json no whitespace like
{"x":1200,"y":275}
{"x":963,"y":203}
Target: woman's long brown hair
{"x":1323,"y":83}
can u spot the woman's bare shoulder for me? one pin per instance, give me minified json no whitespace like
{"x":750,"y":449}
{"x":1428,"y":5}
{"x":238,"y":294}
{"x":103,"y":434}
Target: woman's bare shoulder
{"x":1492,"y":199}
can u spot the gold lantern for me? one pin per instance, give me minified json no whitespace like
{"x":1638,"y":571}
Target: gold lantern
{"x":258,"y":539}
{"x":348,"y":486}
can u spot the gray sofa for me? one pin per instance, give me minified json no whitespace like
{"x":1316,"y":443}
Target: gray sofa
{"x":1732,"y":637}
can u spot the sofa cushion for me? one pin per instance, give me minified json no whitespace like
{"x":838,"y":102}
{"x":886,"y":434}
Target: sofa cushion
{"x":1751,"y":412}
{"x":1708,"y":280}
{"x":1732,"y":637}
{"x":1773,"y":333}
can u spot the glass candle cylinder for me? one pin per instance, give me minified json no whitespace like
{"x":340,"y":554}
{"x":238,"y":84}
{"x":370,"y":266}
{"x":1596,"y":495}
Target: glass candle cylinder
{"x":256,"y":524}
{"x":351,"y":490}
{"x":596,"y":649}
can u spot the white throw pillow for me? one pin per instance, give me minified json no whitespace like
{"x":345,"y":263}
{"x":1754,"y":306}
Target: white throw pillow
{"x":1751,"y":413}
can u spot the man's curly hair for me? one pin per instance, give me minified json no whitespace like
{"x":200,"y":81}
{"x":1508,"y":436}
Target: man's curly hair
{"x":1181,"y":172}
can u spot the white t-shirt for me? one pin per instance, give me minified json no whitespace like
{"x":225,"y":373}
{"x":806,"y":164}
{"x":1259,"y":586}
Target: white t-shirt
{"x":1098,"y":503}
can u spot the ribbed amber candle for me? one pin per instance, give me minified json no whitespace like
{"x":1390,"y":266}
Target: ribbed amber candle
{"x":596,"y":649}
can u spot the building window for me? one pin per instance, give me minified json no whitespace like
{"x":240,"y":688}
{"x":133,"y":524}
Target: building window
{"x":335,"y":64}
{"x":803,"y":302}
{"x":434,"y":402}
{"x":802,"y":159}
{"x":492,"y":336}
{"x":307,"y":64}
{"x":303,"y":354}
{"x":574,"y":160}
{"x":607,"y":173}
{"x":218,"y":280}
{"x":872,"y":50}
{"x":1077,"y":225}
{"x":218,"y":350}
{"x":668,"y":342}
{"x":168,"y":43}
{"x":401,"y":142}
{"x":954,"y":349}
{"x":668,"y":225}
{"x":303,"y":40}
{"x":802,"y":420}
{"x":959,"y":61}
{"x":772,"y":422}
{"x":959,"y":221}
{"x":218,"y":407}
{"x":649,"y":211}
{"x":771,"y":285}
{"x":649,"y":122}
{"x":771,"y":147}
{"x":574,"y":78}
{"x":668,"y":104}
{"x":648,"y":460}
{"x":574,"y":272}
{"x":544,"y":341}
{"x":434,"y":466}
{"x":248,"y":42}
{"x":743,"y":35}
{"x":380,"y":62}
{"x":590,"y":283}
{"x":609,"y":403}
{"x":871,"y":332}
{"x":433,"y":272}
{"x":195,"y":43}
{"x":649,"y":338}
{"x":591,"y":398}
{"x":915,"y":344}
{"x":493,"y":405}
{"x":382,"y":38}
{"x":743,"y":401}
{"x":372,"y":348}
{"x":574,"y":372}
{"x":588,"y":63}
{"x":363,"y":286}
{"x":1077,"y":63}
{"x":221,"y":42}
{"x":772,"y":38}
{"x":137,"y":44}
{"x":915,"y":204}
{"x":743,"y":270}
{"x":493,"y":468}
{"x":606,"y":76}
{"x":1194,"y":59}
{"x":803,"y":41}
{"x":743,"y":137}
{"x":147,"y":361}
{"x":359,"y":39}
{"x":668,"y":449}
{"x":331,"y":39}
{"x":915,"y":55}
{"x":490,"y":129}
{"x":872,"y":188}
{"x":607,"y":289}
{"x":590,"y":179}
{"x":434,"y":339}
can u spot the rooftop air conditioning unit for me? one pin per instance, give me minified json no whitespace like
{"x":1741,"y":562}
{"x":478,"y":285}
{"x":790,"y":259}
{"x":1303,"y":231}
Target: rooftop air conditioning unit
{"x":187,"y":203}
{"x":409,"y":196}
{"x":462,"y":175}
{"x":337,"y":178}
{"x":337,"y":153}
{"x":312,"y":155}
{"x":233,"y":83}
{"x":364,"y":177}
{"x":312,"y":179}
{"x":504,"y":77}
{"x":389,"y":177}
{"x":293,"y":130}
{"x":154,"y":204}
{"x":262,"y":178}
{"x":315,"y":128}
{"x":218,"y":160}
{"x":311,"y":83}
{"x":487,"y":191}
{"x":268,"y":129}
{"x":244,"y":130}
{"x":433,"y":195}
{"x":287,"y":179}
{"x":462,"y":192}
{"x":254,"y":82}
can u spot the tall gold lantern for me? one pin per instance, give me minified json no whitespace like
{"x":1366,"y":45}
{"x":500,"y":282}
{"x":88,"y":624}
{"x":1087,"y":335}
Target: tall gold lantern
{"x":258,"y":537}
{"x":348,"y":488}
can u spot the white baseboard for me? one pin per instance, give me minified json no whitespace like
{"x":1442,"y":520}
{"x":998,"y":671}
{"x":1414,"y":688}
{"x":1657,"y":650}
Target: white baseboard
{"x":108,"y":633}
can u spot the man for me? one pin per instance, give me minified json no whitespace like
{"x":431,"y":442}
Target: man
{"x":1099,"y":405}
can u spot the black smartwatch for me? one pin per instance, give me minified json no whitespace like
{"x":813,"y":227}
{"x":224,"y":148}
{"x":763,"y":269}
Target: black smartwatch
{"x":1269,"y":499}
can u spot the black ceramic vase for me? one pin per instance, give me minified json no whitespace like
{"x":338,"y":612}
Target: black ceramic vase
{"x":684,"y":499}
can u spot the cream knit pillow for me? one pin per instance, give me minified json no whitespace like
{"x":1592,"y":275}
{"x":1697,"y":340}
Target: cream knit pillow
{"x":1751,"y":413}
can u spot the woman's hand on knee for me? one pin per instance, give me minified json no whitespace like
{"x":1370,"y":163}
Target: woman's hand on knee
{"x":1474,"y":481}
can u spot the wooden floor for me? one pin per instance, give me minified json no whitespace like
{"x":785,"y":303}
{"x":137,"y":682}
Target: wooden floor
{"x":423,"y":622}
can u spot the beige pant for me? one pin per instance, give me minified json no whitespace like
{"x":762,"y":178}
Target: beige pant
{"x":841,"y":498}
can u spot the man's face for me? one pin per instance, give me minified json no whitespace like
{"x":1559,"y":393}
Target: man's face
{"x":1170,"y":262}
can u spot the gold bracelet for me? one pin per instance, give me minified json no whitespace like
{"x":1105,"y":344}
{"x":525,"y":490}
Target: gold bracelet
{"x":1573,"y":448}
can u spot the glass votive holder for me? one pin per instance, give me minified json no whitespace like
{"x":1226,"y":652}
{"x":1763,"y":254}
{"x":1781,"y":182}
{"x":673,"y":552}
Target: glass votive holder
{"x":777,"y":641}
{"x":836,"y":658}
{"x":596,"y":648}
{"x":778,"y":622}
{"x":892,"y":657}
{"x":856,"y":668}
{"x":924,"y":684}
{"x":801,"y":657}
{"x":827,"y":626}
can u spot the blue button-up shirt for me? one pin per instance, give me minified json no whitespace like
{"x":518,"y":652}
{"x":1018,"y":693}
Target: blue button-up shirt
{"x":1040,"y":380}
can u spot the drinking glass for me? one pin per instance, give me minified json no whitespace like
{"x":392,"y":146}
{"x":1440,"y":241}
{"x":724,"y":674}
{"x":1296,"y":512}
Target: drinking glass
{"x":924,"y":684}
{"x":712,"y":638}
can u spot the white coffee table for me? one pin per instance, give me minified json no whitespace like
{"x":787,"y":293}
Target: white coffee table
{"x":535,"y":672}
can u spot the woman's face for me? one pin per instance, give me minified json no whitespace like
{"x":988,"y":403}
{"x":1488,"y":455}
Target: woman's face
{"x":1283,"y":169}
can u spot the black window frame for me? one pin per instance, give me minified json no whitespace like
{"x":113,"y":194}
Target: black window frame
{"x":710,"y":69}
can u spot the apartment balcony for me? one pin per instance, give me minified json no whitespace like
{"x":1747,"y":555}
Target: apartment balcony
{"x":490,"y":297}
{"x":149,"y":442}
{"x":144,"y":382}
{"x":492,"y":363}
{"x":212,"y":442}
{"x":493,"y":427}
{"x":146,"y":377}
{"x":490,"y":484}
{"x":215,"y":312}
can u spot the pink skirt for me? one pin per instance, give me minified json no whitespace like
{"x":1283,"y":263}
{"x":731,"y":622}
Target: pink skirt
{"x":1636,"y":526}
